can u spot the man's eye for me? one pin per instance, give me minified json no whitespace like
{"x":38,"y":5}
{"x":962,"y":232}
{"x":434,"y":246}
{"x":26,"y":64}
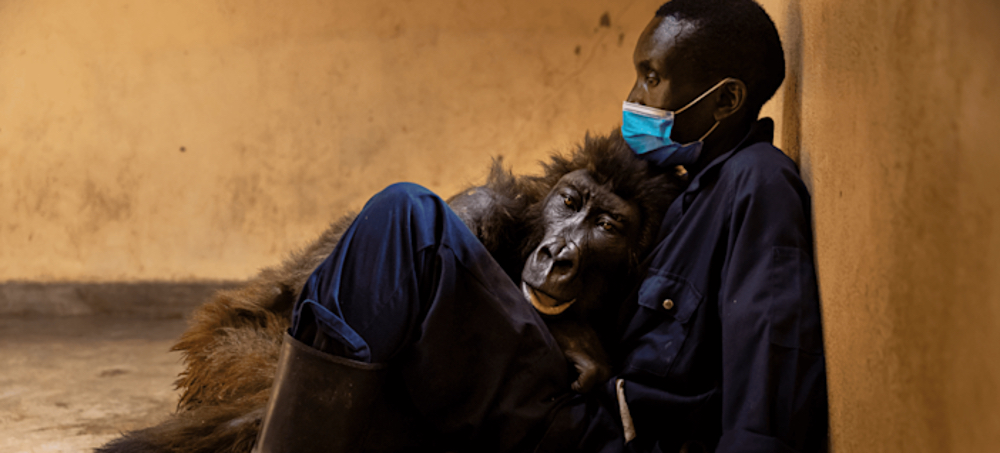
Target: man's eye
{"x":651,"y":79}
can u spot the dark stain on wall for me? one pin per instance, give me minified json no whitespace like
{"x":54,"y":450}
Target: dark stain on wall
{"x":106,"y":204}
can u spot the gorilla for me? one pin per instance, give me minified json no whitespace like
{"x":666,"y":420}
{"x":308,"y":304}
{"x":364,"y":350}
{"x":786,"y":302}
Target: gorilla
{"x":573,"y":237}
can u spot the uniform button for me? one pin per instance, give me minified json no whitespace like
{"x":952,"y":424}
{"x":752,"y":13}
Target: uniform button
{"x":668,"y":304}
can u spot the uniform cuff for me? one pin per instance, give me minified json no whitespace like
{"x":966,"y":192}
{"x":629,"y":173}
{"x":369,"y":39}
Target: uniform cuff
{"x":748,"y":442}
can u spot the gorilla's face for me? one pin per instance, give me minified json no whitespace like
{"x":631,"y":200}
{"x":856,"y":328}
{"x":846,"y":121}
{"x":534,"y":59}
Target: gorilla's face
{"x":589,"y":235}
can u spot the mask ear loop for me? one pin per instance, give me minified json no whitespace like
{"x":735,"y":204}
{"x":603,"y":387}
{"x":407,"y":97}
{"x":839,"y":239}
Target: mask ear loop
{"x":706,"y":93}
{"x":695,"y":101}
{"x":703,"y":137}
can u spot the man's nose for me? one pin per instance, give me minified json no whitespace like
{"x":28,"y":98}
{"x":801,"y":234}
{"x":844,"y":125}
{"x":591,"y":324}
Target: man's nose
{"x":637,"y":95}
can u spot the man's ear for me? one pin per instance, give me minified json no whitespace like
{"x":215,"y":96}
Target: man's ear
{"x":730,"y":98}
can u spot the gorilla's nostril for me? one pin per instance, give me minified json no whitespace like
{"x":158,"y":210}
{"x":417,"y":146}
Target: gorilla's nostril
{"x":562,"y":267}
{"x":568,"y":252}
{"x":544,"y":252}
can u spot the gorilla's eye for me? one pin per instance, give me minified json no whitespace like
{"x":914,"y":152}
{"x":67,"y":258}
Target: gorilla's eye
{"x":568,"y":201}
{"x":607,"y":225}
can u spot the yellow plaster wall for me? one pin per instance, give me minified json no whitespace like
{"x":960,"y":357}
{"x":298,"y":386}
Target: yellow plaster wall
{"x":894,"y":112}
{"x":192,"y":139}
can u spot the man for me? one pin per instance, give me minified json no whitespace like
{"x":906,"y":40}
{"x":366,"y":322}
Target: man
{"x":721,"y":345}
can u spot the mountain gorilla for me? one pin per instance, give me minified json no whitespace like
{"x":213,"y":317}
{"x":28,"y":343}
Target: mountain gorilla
{"x":573,"y":236}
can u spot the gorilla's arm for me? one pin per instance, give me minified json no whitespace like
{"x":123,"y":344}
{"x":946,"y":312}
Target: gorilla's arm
{"x":475,"y":207}
{"x":497,"y":212}
{"x":582,"y":347}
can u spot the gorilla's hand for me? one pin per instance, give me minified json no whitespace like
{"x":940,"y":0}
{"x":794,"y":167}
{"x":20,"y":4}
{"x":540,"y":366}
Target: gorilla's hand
{"x":583,"y":349}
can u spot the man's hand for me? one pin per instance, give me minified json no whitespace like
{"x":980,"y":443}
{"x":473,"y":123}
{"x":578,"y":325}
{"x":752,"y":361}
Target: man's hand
{"x":583,"y":349}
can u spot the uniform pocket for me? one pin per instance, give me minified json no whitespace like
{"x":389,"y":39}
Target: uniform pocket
{"x":670,"y":301}
{"x":671,"y":295}
{"x":793,"y":314}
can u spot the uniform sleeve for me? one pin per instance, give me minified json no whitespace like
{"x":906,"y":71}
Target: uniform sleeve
{"x":773,"y":368}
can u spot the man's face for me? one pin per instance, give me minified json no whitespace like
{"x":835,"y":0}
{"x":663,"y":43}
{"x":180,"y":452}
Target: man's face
{"x":665,"y":81}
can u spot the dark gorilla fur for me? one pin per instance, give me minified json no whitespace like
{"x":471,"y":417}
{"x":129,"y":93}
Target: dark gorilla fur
{"x":231,"y":347}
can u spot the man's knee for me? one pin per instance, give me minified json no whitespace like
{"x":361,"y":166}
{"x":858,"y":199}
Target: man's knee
{"x":406,"y":199}
{"x":404,"y":190}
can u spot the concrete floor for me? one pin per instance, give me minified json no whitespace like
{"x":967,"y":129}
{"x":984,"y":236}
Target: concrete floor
{"x":70,"y":384}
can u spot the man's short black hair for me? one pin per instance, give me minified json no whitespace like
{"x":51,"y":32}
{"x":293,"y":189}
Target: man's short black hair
{"x":733,"y":38}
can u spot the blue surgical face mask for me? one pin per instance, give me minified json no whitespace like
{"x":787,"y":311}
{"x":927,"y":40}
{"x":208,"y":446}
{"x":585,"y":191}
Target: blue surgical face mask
{"x":647,"y":131}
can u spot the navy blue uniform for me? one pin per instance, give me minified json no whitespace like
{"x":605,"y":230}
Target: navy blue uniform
{"x":721,"y":343}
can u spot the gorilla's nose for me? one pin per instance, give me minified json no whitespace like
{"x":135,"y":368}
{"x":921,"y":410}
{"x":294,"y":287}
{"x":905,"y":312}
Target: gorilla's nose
{"x":560,"y":260}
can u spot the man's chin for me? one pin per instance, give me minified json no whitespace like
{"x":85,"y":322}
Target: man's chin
{"x":544,"y":303}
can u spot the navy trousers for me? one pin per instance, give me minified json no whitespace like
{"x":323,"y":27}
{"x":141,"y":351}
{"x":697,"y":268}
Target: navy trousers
{"x":409,"y":285}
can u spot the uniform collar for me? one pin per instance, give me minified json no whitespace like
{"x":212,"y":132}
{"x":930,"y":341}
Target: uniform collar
{"x":761,"y":131}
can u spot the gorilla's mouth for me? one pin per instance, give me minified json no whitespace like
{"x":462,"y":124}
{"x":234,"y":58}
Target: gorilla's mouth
{"x":543,"y":302}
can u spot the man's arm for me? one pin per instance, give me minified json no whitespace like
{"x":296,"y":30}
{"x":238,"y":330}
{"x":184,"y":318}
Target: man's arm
{"x":774,"y":376}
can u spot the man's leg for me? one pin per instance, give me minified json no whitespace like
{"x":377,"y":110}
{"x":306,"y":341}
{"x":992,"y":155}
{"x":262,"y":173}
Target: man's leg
{"x":410,"y":286}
